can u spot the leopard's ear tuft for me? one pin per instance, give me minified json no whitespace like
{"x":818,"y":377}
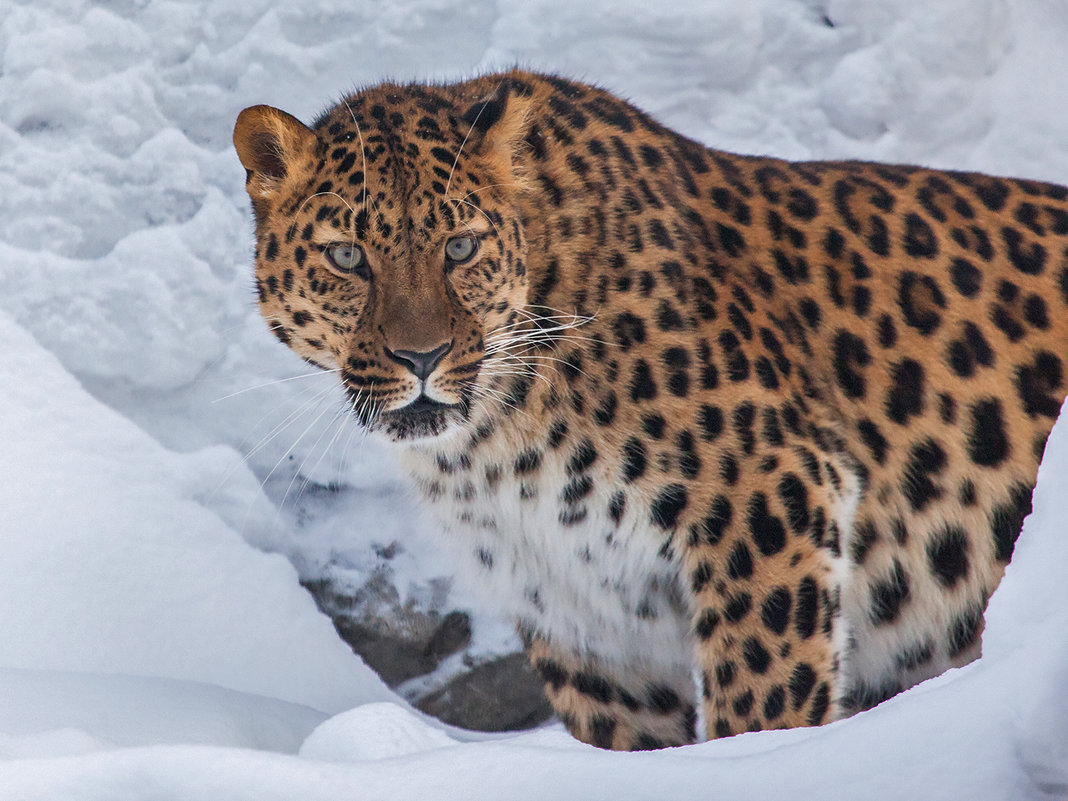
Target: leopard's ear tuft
{"x":269,"y":143}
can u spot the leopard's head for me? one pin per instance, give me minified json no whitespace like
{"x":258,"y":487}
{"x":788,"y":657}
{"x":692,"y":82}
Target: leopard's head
{"x":390,"y":246}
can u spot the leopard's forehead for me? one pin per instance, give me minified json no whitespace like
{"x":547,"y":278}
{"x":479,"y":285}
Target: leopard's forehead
{"x":401,"y":154}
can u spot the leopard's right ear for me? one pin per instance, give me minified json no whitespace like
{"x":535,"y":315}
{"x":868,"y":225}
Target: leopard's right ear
{"x":270,"y":143}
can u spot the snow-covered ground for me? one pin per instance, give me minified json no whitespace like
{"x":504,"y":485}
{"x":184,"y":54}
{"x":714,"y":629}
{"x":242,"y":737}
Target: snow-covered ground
{"x":154,"y":640}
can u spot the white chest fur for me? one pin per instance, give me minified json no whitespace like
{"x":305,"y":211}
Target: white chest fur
{"x":558,"y":558}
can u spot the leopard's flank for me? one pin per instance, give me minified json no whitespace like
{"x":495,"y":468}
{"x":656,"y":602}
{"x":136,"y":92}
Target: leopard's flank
{"x":739,"y":443}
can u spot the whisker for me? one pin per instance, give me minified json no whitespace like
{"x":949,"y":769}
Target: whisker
{"x":278,"y":381}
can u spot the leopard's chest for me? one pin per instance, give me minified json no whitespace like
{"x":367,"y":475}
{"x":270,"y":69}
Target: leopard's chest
{"x":562,"y":551}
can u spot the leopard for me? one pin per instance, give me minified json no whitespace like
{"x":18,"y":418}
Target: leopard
{"x":738,"y":443}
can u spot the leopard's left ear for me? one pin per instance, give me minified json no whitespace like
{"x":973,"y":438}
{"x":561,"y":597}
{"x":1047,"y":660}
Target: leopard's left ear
{"x":499,"y":123}
{"x":270,"y":144}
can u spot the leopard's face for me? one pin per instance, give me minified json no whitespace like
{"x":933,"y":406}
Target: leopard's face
{"x":389,"y":251}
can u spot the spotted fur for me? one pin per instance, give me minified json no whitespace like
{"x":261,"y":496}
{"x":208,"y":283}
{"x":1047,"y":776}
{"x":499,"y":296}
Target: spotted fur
{"x":685,"y":412}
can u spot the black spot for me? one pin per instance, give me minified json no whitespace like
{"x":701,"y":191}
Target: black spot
{"x":919,"y":238}
{"x":1007,"y":323}
{"x":966,"y":493}
{"x":557,"y":433}
{"x":689,"y":461}
{"x":577,"y":489}
{"x":728,"y":468}
{"x":905,"y":397}
{"x":653,"y":425}
{"x":862,"y":696}
{"x":551,"y":673}
{"x":756,"y":655}
{"x":873,"y":439}
{"x":737,"y":607}
{"x":973,"y":348}
{"x":1030,"y":260}
{"x":889,"y":595}
{"x":602,"y":729}
{"x":592,"y":685}
{"x":834,"y":243}
{"x":725,"y":673}
{"x":795,"y":499}
{"x":662,"y":700}
{"x":864,"y":536}
{"x":947,"y":408}
{"x":629,"y":328}
{"x":647,"y":742}
{"x":808,"y":598}
{"x":606,"y":412}
{"x":742,"y":419}
{"x":711,"y":529}
{"x":743,"y":704}
{"x":1007,"y":518}
{"x":774,"y":702}
{"x":668,"y":317}
{"x":887,"y":331}
{"x":915,"y":655}
{"x":710,"y":422}
{"x":992,"y":192}
{"x":740,"y":562}
{"x":583,"y":456}
{"x":642,"y":386}
{"x":1036,"y":382}
{"x":988,"y":442}
{"x":707,"y":622}
{"x":965,"y":630}
{"x":527,"y":462}
{"x":861,"y":300}
{"x":767,"y":530}
{"x":617,"y":504}
{"x":1035,"y":312}
{"x":802,"y":680}
{"x":966,"y":277}
{"x":772,"y":430}
{"x":634,"y":459}
{"x":651,"y":156}
{"x":775,"y":611}
{"x":668,"y":505}
{"x":850,"y":353}
{"x":732,"y":240}
{"x":821,"y":702}
{"x":700,"y":577}
{"x":678,"y":384}
{"x":917,"y":296}
{"x":947,"y":553}
{"x":926,"y":459}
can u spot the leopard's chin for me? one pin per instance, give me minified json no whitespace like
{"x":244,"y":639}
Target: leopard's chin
{"x":422,"y":419}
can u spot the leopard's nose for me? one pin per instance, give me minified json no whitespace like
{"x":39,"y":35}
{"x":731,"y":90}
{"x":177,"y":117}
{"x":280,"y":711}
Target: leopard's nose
{"x":421,"y":364}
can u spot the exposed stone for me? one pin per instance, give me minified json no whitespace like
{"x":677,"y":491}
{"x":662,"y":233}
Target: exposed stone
{"x":402,"y":641}
{"x":501,"y":695}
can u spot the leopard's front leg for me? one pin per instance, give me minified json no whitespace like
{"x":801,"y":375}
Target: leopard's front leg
{"x":610,"y":707}
{"x":765,"y":567}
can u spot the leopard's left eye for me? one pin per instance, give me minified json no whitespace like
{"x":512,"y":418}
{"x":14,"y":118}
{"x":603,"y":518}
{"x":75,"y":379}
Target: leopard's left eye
{"x":460,"y":249}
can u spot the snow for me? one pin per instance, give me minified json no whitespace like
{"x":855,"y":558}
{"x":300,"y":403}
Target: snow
{"x":154,"y":639}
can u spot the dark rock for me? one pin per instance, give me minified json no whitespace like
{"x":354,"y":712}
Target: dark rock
{"x":500,"y":695}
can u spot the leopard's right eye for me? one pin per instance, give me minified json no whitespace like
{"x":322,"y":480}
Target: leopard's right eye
{"x":347,"y":258}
